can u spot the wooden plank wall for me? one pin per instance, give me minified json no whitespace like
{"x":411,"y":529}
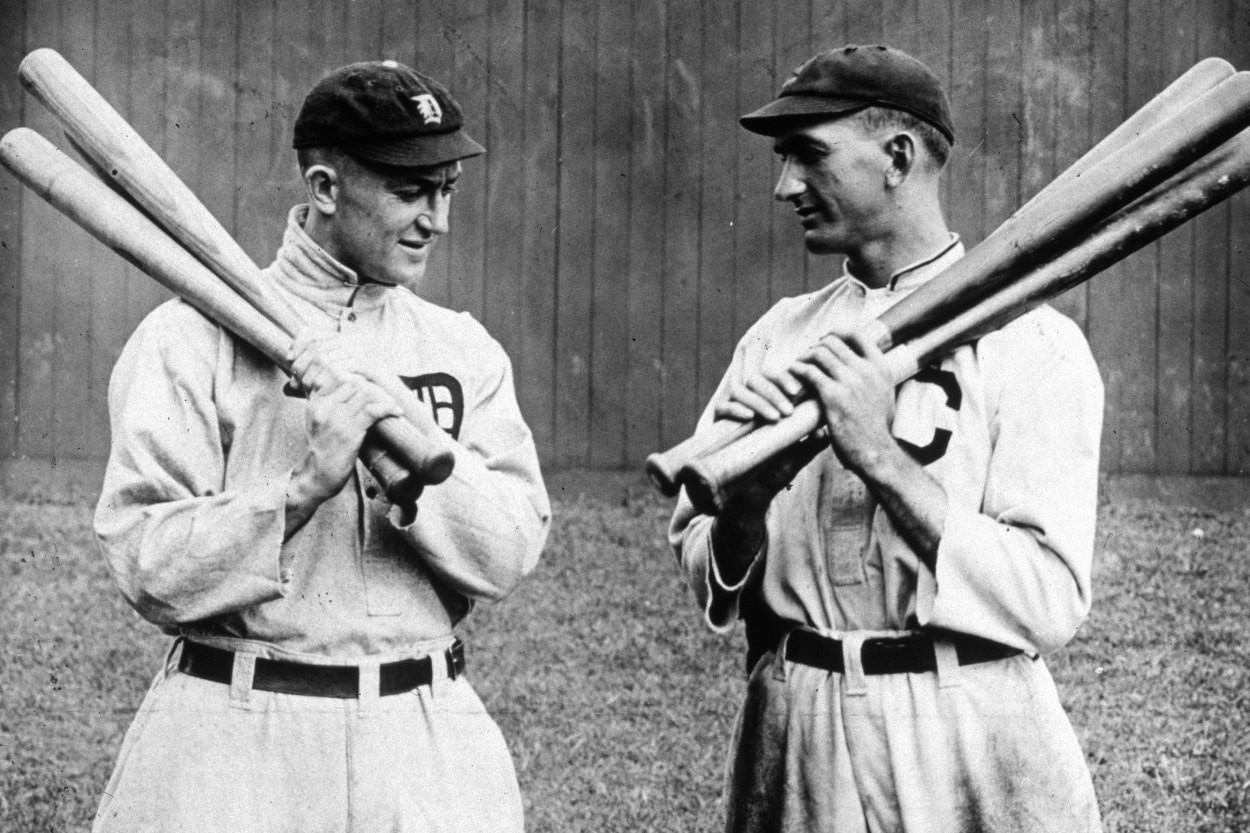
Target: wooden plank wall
{"x":620,"y":235}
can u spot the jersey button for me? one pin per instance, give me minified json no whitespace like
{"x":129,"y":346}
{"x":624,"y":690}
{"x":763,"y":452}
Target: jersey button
{"x":351,"y":316}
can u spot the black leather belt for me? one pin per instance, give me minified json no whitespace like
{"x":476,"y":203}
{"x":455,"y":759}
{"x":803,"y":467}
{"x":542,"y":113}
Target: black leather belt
{"x":285,"y":677}
{"x":909,"y":654}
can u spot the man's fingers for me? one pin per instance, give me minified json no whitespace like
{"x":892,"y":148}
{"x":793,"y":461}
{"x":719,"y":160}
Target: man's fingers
{"x":322,"y":359}
{"x":822,"y":383}
{"x":772,"y":391}
{"x":865,"y":346}
{"x":734,"y":410}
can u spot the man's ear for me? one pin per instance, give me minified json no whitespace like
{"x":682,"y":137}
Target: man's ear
{"x":901,"y":149}
{"x":323,"y":185}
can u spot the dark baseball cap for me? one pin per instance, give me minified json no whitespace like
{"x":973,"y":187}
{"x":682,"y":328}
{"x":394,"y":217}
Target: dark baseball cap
{"x":842,"y":81}
{"x":384,"y":112}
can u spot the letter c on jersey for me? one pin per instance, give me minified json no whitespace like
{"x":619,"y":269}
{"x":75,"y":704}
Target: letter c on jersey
{"x":935,"y":448}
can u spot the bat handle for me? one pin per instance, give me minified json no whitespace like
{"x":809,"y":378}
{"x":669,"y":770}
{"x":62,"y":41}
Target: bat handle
{"x":412,"y":459}
{"x":664,"y":467}
{"x":712,"y":479}
{"x":401,"y":485}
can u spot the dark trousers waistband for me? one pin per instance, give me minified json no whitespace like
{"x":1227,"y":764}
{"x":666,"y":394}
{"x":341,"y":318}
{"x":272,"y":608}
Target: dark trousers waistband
{"x":343,"y":681}
{"x":907,"y":654}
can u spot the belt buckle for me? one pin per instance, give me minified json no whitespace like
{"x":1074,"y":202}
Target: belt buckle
{"x":455,"y":659}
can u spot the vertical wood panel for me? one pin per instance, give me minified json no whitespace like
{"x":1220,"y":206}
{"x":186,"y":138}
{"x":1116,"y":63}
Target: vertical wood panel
{"x":1106,"y":316}
{"x":12,"y":46}
{"x":1039,"y":114}
{"x":110,"y":320}
{"x":648,"y":129}
{"x":1176,"y":279}
{"x":1003,"y":118}
{"x":611,"y":265}
{"x":504,"y":140}
{"x":966,"y":172}
{"x":467,"y":32}
{"x":1238,"y":350}
{"x":295,"y":71}
{"x":1072,"y":69}
{"x":399,"y":31}
{"x":435,"y":58}
{"x":753,"y":200}
{"x":791,"y":46}
{"x":41,"y":226}
{"x":575,"y":259}
{"x":256,"y":33}
{"x":146,"y":114}
{"x":860,"y":22}
{"x":362,"y":29}
{"x":78,"y":254}
{"x":537,"y":362}
{"x":681,"y":217}
{"x":216,"y":125}
{"x":719,"y":156}
{"x":1136,"y":309}
{"x":1208,"y":439}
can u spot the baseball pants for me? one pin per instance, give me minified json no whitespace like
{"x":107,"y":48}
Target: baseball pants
{"x":207,"y":757}
{"x":980,"y":748}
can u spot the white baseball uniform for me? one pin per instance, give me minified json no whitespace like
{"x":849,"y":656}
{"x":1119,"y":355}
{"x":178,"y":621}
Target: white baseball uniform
{"x":191,"y":522}
{"x":1009,"y":426}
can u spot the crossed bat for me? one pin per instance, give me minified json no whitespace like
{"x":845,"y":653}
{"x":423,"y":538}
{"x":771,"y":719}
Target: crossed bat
{"x":141,"y":209}
{"x":1186,"y":150}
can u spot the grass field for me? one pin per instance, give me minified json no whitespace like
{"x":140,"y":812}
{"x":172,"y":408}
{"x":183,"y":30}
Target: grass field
{"x":618,"y":705}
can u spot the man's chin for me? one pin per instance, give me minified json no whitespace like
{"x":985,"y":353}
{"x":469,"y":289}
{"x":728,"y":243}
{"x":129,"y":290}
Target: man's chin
{"x":818,"y":244}
{"x":409,"y":278}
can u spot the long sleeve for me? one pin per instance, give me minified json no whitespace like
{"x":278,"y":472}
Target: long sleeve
{"x":1017,"y":568}
{"x":181,"y":547}
{"x":690,"y":534}
{"x":483,"y":529}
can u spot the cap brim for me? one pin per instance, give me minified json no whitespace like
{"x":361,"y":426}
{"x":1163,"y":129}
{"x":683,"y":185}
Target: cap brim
{"x":777,"y":117}
{"x":418,"y":151}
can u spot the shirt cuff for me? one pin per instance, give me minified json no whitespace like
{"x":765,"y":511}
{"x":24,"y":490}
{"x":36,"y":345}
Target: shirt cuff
{"x":721,"y":610}
{"x":962,"y":595}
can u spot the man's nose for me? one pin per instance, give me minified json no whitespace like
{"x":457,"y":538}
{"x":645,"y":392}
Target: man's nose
{"x":789,"y":185}
{"x":435,"y":220}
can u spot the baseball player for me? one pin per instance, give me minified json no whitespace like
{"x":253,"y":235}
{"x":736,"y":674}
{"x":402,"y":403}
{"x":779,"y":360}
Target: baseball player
{"x":900,"y":588}
{"x":315,"y":683}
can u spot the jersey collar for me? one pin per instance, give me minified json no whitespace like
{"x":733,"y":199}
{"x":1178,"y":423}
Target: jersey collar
{"x":914,"y":274}
{"x":317,"y":276}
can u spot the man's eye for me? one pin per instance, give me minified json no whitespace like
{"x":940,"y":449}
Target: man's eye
{"x":448,"y":190}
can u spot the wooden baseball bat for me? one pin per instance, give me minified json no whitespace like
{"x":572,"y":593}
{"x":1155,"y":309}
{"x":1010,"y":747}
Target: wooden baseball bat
{"x":664,"y":468}
{"x":712,"y":479}
{"x":126,"y":161}
{"x":409,"y":462}
{"x":118,"y":153}
{"x":1059,"y":216}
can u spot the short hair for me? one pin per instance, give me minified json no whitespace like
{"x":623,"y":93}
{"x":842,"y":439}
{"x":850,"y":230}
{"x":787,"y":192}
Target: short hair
{"x":345,"y":163}
{"x":882,"y":118}
{"x":332,"y":156}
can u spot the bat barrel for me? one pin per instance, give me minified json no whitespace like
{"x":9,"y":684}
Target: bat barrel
{"x":67,"y":187}
{"x":1204,"y":184}
{"x":1066,"y":213}
{"x":119,"y":153}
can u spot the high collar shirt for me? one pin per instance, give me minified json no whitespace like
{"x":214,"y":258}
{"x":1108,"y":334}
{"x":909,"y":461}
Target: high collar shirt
{"x":206,"y":433}
{"x":1009,"y":426}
